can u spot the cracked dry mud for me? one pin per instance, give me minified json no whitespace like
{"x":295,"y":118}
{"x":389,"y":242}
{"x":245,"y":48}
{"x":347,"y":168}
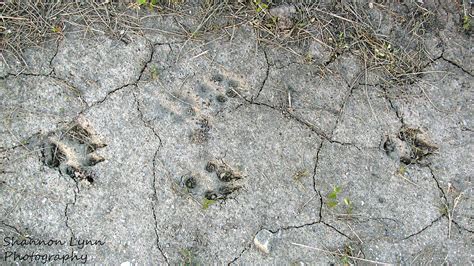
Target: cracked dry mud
{"x":168,"y":149}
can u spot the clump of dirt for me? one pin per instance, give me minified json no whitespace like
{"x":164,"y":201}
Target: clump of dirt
{"x":419,"y":144}
{"x":410,"y":146}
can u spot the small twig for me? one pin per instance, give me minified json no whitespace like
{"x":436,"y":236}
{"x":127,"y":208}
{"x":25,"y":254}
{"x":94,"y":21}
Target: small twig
{"x":334,"y":15}
{"x":200,"y":54}
{"x":15,"y":18}
{"x":451,"y":215}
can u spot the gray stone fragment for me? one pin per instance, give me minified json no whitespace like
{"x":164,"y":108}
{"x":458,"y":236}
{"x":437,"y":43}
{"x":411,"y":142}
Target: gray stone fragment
{"x":284,"y":15}
{"x":319,"y":52}
{"x":264,"y":240}
{"x":283,"y":11}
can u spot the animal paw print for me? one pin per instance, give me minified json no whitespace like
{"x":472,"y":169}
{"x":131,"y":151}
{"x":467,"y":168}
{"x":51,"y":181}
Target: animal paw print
{"x":227,"y":178}
{"x":210,"y":92}
{"x":72,"y":150}
{"x":217,"y":89}
{"x":231,"y":85}
{"x":222,"y":184}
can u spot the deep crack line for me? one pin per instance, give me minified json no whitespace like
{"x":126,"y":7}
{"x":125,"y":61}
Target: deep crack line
{"x":76,"y":192}
{"x":336,"y":230}
{"x":11,"y":227}
{"x":318,"y":131}
{"x":394,"y":108}
{"x":316,"y":163}
{"x":290,"y":227}
{"x":50,"y":65}
{"x":108,"y":95}
{"x":313,"y":128}
{"x":438,"y":185}
{"x":134,"y":83}
{"x":153,"y":207}
{"x":146,"y":123}
{"x":424,"y":228}
{"x":351,"y":88}
{"x":267,"y":73}
{"x":58,"y":43}
{"x":241,"y":253}
{"x":291,"y":115}
{"x":460,"y":227}
{"x":51,"y":76}
{"x":456,"y":65}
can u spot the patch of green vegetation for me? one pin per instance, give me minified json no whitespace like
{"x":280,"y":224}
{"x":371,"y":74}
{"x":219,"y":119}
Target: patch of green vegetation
{"x":260,"y":6}
{"x":466,"y":23}
{"x":56,"y":29}
{"x":384,"y":52}
{"x":308,"y":58}
{"x":341,"y":39}
{"x":333,"y":199}
{"x":346,"y":256}
{"x":150,"y":3}
{"x":272,"y":22}
{"x":207,"y":202}
{"x":345,"y":260}
{"x":348,"y":204}
{"x":141,"y":2}
{"x":188,"y":257}
{"x":154,"y":72}
{"x":402,"y":170}
{"x":196,"y":34}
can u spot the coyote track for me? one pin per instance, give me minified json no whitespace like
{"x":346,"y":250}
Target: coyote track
{"x":72,"y":150}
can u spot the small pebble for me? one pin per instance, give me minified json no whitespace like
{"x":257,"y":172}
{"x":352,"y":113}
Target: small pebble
{"x":263,"y":241}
